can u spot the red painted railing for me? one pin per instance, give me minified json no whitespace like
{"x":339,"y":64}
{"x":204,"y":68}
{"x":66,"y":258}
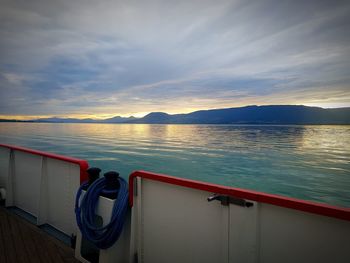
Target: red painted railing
{"x":292,"y":203}
{"x":82,"y":163}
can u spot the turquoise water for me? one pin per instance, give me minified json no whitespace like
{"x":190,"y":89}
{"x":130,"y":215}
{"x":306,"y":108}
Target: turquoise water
{"x":308,"y":162}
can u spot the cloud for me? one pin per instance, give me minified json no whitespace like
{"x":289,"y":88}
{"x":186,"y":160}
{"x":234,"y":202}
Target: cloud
{"x":126,"y":57}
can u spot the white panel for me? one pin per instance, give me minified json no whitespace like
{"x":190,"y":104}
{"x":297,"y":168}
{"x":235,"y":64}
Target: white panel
{"x":179,"y":225}
{"x":135,"y":239}
{"x":292,"y":236}
{"x":26,"y":181}
{"x":41,"y":186}
{"x":43,"y":195}
{"x":119,"y":252}
{"x":243,"y":233}
{"x":63,"y":180}
{"x":4,"y":165}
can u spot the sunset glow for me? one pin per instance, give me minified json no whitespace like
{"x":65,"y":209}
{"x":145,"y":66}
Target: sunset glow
{"x":122,"y":58}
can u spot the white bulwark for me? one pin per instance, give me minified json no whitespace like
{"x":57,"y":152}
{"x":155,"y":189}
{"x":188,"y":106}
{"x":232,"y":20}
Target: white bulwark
{"x":178,"y":220}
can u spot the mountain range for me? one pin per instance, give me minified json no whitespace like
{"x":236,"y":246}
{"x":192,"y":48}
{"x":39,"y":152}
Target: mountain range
{"x":274,"y":114}
{"x":116,"y":119}
{"x":271,"y":114}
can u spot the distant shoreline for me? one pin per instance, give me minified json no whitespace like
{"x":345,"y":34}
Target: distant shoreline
{"x":185,"y":124}
{"x":249,"y":115}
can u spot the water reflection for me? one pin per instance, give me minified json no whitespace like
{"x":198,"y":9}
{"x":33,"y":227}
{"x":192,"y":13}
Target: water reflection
{"x":309,"y":162}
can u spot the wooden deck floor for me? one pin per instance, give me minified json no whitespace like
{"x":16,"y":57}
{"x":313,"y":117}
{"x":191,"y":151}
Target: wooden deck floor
{"x":21,"y":241}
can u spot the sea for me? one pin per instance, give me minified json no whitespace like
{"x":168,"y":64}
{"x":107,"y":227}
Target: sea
{"x":306,"y":162}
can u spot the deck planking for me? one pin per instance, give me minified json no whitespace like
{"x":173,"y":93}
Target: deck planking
{"x":21,"y":241}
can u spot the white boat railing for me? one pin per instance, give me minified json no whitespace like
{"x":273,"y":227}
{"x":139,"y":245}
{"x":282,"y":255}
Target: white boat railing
{"x":42,"y":184}
{"x":172,"y":221}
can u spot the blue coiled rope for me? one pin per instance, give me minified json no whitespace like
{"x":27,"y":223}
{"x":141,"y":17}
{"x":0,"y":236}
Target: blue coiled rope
{"x":103,"y":237}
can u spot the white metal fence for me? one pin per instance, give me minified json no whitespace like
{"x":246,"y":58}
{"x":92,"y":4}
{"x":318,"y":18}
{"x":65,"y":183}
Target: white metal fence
{"x":41,"y":184}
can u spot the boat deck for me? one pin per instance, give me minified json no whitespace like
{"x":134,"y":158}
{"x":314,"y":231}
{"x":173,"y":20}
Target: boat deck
{"x":21,"y":241}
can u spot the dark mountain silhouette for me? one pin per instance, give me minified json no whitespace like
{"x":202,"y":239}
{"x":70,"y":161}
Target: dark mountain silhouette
{"x":7,"y":120}
{"x":274,"y":114}
{"x":156,"y":117}
{"x":116,"y":119}
{"x":66,"y":120}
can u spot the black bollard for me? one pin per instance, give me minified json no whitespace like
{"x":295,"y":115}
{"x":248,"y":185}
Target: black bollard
{"x":93,"y":174}
{"x":112,"y":185}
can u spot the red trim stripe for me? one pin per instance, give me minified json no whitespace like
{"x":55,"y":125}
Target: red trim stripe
{"x":292,"y":203}
{"x":82,"y":163}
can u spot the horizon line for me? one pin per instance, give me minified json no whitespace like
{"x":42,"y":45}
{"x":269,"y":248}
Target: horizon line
{"x":102,"y":117}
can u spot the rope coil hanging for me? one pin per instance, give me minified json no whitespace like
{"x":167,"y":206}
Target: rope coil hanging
{"x":85,"y":209}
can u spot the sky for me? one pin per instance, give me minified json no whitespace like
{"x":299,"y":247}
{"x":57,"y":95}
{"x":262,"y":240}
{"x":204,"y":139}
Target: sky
{"x":106,"y":58}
